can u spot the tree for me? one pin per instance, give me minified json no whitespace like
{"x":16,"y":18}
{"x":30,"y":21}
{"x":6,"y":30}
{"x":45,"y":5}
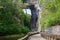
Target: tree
{"x":11,"y":18}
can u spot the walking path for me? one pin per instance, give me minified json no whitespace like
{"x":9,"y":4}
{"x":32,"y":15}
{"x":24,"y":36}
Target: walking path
{"x":36,"y":37}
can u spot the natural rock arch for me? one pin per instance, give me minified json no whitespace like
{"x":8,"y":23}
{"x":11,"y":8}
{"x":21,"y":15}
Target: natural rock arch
{"x":35,"y":13}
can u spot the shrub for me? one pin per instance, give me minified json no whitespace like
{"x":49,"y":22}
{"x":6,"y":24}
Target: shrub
{"x":50,"y":13}
{"x":51,"y":20}
{"x":13,"y":29}
{"x":12,"y":18}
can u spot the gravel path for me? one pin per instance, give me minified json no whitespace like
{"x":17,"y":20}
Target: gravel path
{"x":36,"y":37}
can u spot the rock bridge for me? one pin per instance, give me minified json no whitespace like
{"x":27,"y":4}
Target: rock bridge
{"x":36,"y":13}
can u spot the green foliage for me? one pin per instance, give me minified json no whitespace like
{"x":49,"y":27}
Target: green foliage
{"x":24,"y":1}
{"x":12,"y":18}
{"x":27,"y":20}
{"x":51,"y":14}
{"x":12,"y":29}
{"x":52,"y":20}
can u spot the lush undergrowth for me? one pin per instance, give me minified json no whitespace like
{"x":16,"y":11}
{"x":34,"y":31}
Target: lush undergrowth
{"x":51,"y":19}
{"x":12,"y":19}
{"x":51,"y":14}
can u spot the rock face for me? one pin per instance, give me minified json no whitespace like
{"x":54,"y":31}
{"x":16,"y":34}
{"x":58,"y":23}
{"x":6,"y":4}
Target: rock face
{"x":33,"y":2}
{"x":54,"y":30}
{"x":35,"y":14}
{"x":34,"y":18}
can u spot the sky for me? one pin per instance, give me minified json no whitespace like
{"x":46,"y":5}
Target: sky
{"x":28,"y":11}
